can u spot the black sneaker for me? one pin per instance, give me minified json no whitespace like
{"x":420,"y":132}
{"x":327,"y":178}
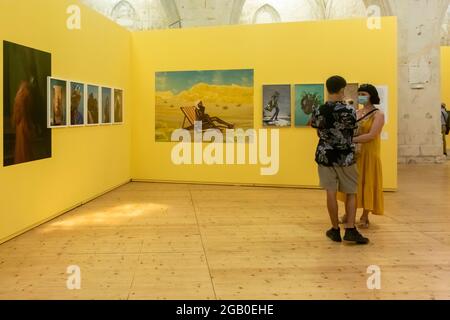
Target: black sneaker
{"x":334,"y":234}
{"x":353,"y":235}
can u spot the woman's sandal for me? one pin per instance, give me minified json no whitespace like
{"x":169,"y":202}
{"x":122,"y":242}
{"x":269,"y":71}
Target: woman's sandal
{"x":364,"y":224}
{"x":343,"y":220}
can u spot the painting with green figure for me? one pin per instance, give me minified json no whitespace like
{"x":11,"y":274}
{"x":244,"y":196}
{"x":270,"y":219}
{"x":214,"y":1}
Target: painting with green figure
{"x":307,"y":97}
{"x":220,"y":99}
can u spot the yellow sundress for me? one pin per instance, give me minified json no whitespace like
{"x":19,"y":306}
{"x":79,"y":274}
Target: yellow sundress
{"x":370,"y":181}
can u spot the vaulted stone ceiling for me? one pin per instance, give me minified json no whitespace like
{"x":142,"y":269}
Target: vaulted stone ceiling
{"x":158,"y":14}
{"x":162,"y":14}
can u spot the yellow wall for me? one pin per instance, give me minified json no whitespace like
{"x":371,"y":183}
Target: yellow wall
{"x":292,"y":53}
{"x":445,"y":80}
{"x":86,"y":161}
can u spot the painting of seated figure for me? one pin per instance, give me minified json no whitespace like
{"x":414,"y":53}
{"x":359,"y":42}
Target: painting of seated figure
{"x":218,"y":99}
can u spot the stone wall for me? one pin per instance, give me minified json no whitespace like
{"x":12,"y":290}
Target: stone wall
{"x":419,"y":93}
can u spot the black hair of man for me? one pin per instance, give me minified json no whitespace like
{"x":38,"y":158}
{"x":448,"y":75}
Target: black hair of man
{"x":335,"y":84}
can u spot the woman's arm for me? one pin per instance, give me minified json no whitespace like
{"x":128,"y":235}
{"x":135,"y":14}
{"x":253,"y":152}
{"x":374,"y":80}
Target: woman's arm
{"x":375,"y":131}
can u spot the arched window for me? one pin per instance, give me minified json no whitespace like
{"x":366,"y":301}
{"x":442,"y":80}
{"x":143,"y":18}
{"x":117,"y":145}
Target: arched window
{"x":266,"y":14}
{"x":124,"y":14}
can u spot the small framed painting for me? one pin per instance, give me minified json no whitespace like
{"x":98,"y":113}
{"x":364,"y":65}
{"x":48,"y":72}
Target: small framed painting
{"x":93,"y":105}
{"x":76,"y":103}
{"x":118,"y":106}
{"x":57,"y":102}
{"x":106,"y":102}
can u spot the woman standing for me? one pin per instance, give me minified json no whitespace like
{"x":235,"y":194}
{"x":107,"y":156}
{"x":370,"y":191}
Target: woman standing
{"x":370,"y":184}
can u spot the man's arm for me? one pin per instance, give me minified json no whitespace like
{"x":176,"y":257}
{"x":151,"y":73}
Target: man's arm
{"x":348,"y":119}
{"x":316,"y":118}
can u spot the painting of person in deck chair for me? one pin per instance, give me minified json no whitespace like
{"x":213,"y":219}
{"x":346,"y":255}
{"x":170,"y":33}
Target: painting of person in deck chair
{"x":209,"y":122}
{"x":220,"y":99}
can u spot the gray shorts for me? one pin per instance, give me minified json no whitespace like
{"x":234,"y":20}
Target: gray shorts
{"x":342,"y":179}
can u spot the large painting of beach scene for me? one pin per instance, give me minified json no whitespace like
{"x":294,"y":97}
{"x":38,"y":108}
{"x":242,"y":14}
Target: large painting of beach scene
{"x":220,"y":99}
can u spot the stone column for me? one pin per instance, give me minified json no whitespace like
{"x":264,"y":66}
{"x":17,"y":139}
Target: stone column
{"x":419,"y":94}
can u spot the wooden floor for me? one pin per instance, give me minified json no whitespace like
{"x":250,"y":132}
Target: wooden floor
{"x":163,"y":241}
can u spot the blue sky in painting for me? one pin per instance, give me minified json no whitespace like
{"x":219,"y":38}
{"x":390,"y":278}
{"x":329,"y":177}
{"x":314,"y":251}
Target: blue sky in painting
{"x":179,"y":81}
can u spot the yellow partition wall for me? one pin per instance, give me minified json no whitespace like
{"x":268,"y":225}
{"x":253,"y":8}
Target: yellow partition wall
{"x":445,"y":80}
{"x":294,"y":53}
{"x":86,"y":161}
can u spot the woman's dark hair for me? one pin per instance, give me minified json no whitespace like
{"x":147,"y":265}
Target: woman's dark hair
{"x":370,"y":89}
{"x":336,"y":84}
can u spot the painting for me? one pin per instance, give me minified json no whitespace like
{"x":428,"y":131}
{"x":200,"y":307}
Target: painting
{"x":25,"y":134}
{"x":93,"y":104}
{"x":106,"y":105}
{"x":277,"y":106}
{"x":77,"y":100}
{"x":118,"y":106}
{"x":307,"y":97}
{"x":220,"y":99}
{"x":57,"y":103}
{"x":351,"y":94}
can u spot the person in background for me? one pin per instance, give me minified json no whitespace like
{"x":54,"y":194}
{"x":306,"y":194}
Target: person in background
{"x":335,"y":122}
{"x":445,"y":125}
{"x":370,"y":183}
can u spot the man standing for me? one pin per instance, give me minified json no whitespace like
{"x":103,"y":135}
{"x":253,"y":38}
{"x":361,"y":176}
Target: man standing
{"x":444,"y":125}
{"x":335,"y":122}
